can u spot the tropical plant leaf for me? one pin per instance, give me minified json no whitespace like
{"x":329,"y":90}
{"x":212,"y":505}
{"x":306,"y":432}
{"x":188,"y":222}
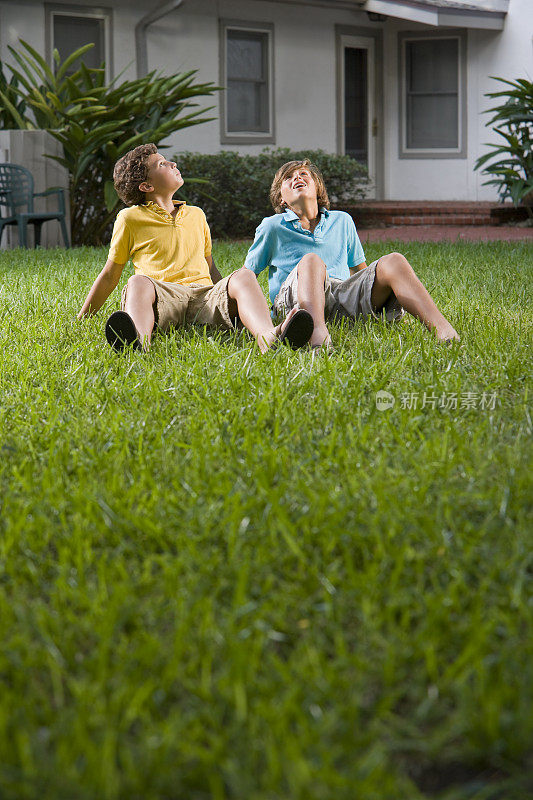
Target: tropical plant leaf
{"x":67,"y":63}
{"x":515,"y":191}
{"x":20,"y":121}
{"x":29,"y":79}
{"x":39,"y":60}
{"x":111,"y":196}
{"x":512,"y":162}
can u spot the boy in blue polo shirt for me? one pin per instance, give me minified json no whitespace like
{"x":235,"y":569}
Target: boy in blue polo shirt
{"x":316,"y":262}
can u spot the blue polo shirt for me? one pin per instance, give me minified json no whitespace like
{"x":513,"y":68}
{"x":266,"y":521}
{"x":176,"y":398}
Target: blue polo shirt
{"x":280,"y":242}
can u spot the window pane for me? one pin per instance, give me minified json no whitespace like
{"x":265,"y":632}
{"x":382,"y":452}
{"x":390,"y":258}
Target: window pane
{"x":246,"y":55}
{"x":247,"y":89}
{"x":70,"y":33}
{"x":432,"y":66}
{"x":432,"y":121}
{"x":247,"y":104}
{"x":432,"y":101}
{"x":356,"y":104}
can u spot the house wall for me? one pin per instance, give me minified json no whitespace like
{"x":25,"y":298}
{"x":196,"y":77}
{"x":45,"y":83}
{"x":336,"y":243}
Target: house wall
{"x":507,"y":54}
{"x":305,"y":85}
{"x":304,"y":66}
{"x":305,"y":77}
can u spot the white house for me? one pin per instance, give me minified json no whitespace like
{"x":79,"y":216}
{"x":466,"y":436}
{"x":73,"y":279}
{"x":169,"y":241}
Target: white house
{"x":400,"y":84}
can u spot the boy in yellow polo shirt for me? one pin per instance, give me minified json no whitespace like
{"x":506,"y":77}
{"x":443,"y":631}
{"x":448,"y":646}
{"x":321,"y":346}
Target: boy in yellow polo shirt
{"x":176,"y":280}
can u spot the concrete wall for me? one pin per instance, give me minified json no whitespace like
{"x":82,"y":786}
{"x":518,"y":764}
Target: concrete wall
{"x":305,"y":77}
{"x":26,"y":148}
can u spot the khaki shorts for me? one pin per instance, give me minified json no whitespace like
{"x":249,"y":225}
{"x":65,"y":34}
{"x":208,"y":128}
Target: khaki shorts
{"x":176,"y":304}
{"x":348,"y":298}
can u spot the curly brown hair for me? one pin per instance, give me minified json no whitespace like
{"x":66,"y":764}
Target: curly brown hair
{"x":130,"y":171}
{"x":285,"y":172}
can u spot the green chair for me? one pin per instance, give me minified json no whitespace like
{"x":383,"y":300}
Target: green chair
{"x":16,"y":198}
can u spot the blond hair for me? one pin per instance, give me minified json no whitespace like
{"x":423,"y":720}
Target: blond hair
{"x":285,"y":172}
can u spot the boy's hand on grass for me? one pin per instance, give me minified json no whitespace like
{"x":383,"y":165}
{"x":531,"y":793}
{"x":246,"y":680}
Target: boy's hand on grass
{"x":213,"y":271}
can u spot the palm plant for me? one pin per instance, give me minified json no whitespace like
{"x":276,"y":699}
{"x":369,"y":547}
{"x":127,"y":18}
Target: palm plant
{"x":512,"y":172}
{"x":96,"y":123}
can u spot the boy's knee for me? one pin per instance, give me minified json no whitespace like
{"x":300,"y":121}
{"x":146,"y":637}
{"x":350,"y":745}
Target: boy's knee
{"x":138,"y":281}
{"x":141,"y":284}
{"x":394,"y":263}
{"x":311,"y":264}
{"x":243,"y":277}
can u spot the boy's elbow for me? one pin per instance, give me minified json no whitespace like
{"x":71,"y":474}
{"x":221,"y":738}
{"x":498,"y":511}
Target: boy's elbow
{"x":111,"y":274}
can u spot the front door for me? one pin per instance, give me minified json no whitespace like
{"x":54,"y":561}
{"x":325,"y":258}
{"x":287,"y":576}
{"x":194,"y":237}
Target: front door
{"x":358,"y":116}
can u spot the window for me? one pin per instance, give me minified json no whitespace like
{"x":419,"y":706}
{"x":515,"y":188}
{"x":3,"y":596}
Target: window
{"x":71,"y":27}
{"x":246,"y":75}
{"x":433,"y":96}
{"x":356,"y":101}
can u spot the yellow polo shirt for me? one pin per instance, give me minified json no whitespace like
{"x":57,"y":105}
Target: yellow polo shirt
{"x":167,"y":248}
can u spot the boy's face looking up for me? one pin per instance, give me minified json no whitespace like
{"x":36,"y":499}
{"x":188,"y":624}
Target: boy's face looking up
{"x":163,"y":177}
{"x":298,"y":186}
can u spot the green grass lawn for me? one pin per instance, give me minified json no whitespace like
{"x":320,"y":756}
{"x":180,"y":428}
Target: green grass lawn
{"x":227,"y":575}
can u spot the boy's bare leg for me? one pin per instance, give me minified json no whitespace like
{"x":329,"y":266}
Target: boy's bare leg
{"x":394,"y":273}
{"x":140,"y":299}
{"x":311,"y":297}
{"x":253,"y":309}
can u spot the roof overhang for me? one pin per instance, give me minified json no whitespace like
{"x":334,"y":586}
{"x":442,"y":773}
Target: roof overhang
{"x":487,"y":14}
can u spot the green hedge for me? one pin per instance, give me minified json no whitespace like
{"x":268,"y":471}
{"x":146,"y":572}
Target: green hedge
{"x":235,"y":195}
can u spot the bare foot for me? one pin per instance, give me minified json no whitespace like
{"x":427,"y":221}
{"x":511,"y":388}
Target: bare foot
{"x":266,"y":339}
{"x":325,"y":347}
{"x":447,"y":334}
{"x":321,"y":337}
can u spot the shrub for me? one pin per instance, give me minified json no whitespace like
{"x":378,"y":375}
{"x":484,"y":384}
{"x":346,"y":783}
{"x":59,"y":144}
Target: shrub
{"x":97,"y":123}
{"x":235,"y":196}
{"x":513,"y":170}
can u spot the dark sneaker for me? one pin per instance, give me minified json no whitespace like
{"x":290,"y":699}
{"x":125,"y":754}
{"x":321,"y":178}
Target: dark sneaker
{"x":120,"y":331}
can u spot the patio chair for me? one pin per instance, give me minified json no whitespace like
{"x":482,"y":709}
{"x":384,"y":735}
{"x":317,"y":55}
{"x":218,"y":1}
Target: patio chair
{"x":16,"y":198}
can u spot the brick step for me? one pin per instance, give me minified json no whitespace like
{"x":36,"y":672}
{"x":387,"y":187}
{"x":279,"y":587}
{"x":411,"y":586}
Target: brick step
{"x":385,"y":213}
